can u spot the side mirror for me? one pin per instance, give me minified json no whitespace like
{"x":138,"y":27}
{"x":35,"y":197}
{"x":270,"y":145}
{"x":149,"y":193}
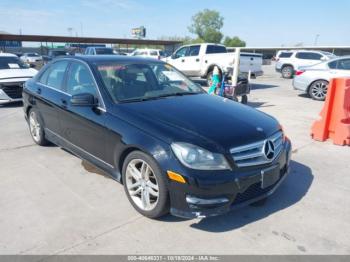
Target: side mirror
{"x":323,"y":58}
{"x":84,"y":99}
{"x":173,"y":56}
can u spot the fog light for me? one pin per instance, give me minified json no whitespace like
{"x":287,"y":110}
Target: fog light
{"x":176,"y":177}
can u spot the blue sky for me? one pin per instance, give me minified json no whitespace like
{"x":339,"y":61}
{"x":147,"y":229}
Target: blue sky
{"x":258,"y":22}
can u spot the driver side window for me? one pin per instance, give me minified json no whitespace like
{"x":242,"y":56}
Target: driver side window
{"x":80,"y":80}
{"x":181,"y":52}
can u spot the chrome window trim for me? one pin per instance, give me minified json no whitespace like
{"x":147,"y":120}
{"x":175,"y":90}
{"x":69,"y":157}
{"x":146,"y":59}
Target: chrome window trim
{"x":102,"y":106}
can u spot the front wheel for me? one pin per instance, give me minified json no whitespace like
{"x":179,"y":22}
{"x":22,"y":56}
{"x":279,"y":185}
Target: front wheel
{"x":318,"y":90}
{"x":145,"y":186}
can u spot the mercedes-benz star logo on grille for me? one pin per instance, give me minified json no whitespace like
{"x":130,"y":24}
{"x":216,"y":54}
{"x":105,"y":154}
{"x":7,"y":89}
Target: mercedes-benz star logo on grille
{"x":269,"y":149}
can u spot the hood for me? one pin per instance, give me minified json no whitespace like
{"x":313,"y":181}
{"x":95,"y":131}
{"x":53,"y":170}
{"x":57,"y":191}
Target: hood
{"x":211,"y":122}
{"x":13,"y":74}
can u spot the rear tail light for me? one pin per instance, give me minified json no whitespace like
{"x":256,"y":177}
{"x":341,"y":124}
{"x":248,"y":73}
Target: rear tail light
{"x":299,"y":72}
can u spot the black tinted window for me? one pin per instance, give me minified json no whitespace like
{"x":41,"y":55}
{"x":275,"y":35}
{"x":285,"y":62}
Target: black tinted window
{"x":285,"y":55}
{"x":55,"y":75}
{"x":214,"y":49}
{"x":80,"y":80}
{"x":11,"y":62}
{"x":333,"y":65}
{"x":194,"y":50}
{"x":104,"y":51}
{"x":308,"y":56}
{"x":344,"y":64}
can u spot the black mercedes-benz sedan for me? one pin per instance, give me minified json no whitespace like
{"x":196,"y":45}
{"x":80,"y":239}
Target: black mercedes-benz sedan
{"x":173,"y":147}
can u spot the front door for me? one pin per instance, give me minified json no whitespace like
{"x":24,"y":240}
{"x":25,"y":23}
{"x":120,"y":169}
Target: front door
{"x":83,"y":127}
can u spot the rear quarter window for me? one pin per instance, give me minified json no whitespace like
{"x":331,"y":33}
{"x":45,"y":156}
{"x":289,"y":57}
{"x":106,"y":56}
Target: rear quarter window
{"x":285,"y":55}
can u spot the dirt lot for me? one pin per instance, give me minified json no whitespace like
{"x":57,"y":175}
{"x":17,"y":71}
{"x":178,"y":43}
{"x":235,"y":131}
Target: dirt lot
{"x":53,"y":203}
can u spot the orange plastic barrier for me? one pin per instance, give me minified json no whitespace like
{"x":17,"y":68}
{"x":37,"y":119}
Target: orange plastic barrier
{"x":335,"y":115}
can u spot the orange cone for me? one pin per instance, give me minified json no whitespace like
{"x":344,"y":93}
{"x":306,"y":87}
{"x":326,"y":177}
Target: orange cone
{"x":335,"y":115}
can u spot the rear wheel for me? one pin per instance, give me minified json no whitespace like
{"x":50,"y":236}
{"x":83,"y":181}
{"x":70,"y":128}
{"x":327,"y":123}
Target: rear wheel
{"x":144,"y":185}
{"x":318,"y":90}
{"x":36,"y":128}
{"x":287,"y":72}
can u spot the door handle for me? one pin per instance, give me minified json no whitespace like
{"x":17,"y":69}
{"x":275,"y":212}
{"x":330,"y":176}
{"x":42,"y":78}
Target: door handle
{"x":38,"y":90}
{"x":182,"y":60}
{"x":64,"y":103}
{"x":197,"y":60}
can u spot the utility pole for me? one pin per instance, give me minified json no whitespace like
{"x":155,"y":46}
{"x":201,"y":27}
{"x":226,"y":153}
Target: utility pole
{"x":316,"y":39}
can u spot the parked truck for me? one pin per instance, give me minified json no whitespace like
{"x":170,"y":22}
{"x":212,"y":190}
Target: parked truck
{"x":199,"y":60}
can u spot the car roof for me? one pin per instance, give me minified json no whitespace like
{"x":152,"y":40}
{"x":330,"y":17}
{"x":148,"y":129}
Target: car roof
{"x":111,"y":58}
{"x":7,"y":55}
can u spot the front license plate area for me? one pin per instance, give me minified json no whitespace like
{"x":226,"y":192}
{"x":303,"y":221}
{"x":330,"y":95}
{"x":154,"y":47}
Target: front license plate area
{"x":269,"y":176}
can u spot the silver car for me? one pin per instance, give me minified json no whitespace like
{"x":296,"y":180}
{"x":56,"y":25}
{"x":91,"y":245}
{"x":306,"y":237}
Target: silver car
{"x":314,"y":80}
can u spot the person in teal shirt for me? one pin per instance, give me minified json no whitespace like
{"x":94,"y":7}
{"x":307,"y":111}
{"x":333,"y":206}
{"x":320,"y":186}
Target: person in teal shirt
{"x":215,"y":81}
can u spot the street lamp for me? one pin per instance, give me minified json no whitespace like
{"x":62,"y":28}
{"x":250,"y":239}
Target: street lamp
{"x":316,"y":39}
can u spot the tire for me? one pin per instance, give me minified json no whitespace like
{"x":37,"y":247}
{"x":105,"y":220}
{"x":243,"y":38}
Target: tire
{"x":287,"y":72}
{"x":318,"y":90}
{"x":144,"y":185}
{"x":36,"y":128}
{"x":244,"y":99}
{"x":209,"y":77}
{"x":259,"y":203}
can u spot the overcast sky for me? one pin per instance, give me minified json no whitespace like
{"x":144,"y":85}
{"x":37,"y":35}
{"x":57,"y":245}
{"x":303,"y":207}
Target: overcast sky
{"x":258,"y":22}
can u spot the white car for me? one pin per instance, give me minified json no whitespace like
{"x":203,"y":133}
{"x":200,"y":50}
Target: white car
{"x":13,"y":74}
{"x":313,"y":80}
{"x":199,"y":60}
{"x":152,"y":53}
{"x":289,"y":61}
{"x":31,"y":57}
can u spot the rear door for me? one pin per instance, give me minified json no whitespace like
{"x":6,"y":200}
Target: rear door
{"x":83,"y":127}
{"x":50,"y":93}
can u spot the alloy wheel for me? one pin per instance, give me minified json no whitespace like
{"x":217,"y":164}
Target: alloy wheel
{"x":319,"y":90}
{"x":34,"y":126}
{"x":142,"y":184}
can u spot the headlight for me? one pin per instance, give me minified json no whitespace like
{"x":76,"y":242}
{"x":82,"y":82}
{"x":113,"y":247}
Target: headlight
{"x":198,"y":158}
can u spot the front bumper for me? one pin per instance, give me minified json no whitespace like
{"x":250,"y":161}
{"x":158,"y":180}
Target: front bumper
{"x":205,"y":198}
{"x":11,"y":92}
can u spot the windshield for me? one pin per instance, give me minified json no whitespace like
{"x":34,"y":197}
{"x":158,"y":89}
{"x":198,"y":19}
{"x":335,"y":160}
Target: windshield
{"x":104,"y":51}
{"x":32,"y":55}
{"x":138,"y":81}
{"x":11,"y":62}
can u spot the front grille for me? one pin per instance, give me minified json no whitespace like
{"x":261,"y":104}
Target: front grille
{"x":14,"y":91}
{"x":254,"y":154}
{"x":255,"y":190}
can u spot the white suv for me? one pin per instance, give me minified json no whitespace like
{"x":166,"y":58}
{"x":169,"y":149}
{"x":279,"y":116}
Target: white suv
{"x":289,"y":61}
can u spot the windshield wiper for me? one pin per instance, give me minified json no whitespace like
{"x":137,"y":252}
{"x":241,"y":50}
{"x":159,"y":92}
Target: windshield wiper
{"x":141,"y":99}
{"x":177,"y":94}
